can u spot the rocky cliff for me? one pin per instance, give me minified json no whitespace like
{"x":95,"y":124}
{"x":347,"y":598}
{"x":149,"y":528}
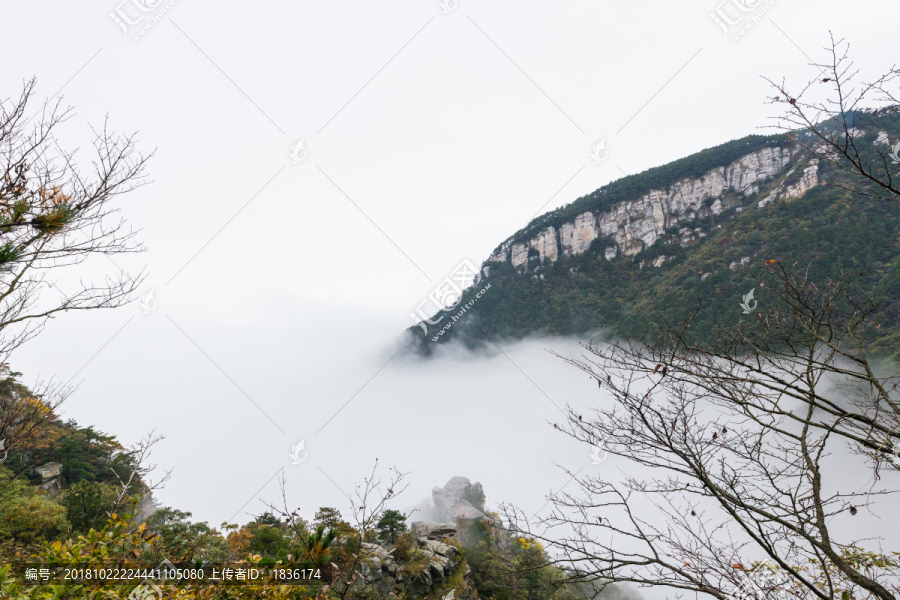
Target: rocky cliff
{"x":432,"y":558}
{"x":458,"y":499}
{"x":646,"y":247}
{"x":435,"y":564}
{"x":474,"y":556}
{"x":631,"y":226}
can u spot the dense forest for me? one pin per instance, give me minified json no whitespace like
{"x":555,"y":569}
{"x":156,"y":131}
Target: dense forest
{"x":831,"y":228}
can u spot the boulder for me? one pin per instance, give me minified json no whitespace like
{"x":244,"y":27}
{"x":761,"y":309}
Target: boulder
{"x":434,"y":547}
{"x":432,"y":530}
{"x":421,"y":585}
{"x":49,"y":471}
{"x":385,"y":558}
{"x":52,"y":488}
{"x":440,"y":566}
{"x":369,"y":549}
{"x":371,"y":569}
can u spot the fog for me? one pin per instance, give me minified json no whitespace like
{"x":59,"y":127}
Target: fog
{"x":284,"y":289}
{"x":482,"y":416}
{"x":486,"y":416}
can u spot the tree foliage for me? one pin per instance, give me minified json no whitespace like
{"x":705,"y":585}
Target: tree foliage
{"x":391,"y":524}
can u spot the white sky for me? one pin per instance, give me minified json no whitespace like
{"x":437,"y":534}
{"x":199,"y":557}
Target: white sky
{"x":431,"y":138}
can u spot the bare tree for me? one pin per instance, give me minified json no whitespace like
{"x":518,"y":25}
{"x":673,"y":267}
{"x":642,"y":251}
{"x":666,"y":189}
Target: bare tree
{"x":828,"y":122}
{"x":366,"y":504}
{"x":135,"y":489}
{"x":53,"y":215}
{"x":739,"y":433}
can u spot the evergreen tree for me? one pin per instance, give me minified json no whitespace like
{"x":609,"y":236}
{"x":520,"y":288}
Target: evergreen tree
{"x":391,"y":524}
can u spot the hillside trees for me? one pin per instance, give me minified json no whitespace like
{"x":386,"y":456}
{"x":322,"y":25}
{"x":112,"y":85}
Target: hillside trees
{"x":833,"y":125}
{"x":391,"y":524}
{"x":738,"y":433}
{"x":26,"y":517}
{"x":55,"y":214}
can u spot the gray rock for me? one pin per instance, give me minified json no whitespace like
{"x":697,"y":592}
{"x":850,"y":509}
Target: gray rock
{"x":369,"y":549}
{"x":435,"y":547}
{"x":432,"y":530}
{"x":440,"y":566}
{"x":421,"y":585}
{"x":374,"y":569}
{"x":53,"y":487}
{"x":449,"y":502}
{"x":49,"y":471}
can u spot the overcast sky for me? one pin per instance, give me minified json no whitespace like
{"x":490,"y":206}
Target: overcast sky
{"x":428,"y":137}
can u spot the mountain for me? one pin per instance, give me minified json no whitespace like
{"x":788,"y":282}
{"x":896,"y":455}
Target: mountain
{"x":644,"y":248}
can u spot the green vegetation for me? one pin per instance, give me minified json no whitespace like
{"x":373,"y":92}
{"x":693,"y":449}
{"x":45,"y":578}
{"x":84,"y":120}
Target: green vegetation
{"x":518,"y":568}
{"x":26,"y":517}
{"x":75,"y":497}
{"x":391,"y":524}
{"x":81,"y":525}
{"x":830,"y":228}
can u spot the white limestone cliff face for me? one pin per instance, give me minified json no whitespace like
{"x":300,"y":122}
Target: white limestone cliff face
{"x":499,"y":256}
{"x":635,"y":224}
{"x":545,"y":244}
{"x":576,"y":238}
{"x":519,"y":255}
{"x":808,"y":180}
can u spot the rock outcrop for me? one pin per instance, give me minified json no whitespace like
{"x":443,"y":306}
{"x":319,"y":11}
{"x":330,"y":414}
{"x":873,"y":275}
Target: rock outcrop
{"x":459,"y":498}
{"x":500,"y":256}
{"x":519,"y":255}
{"x":434,"y":561}
{"x":52,"y":482}
{"x":432,"y":531}
{"x":633,"y":225}
{"x":376,"y":563}
{"x":807,"y":181}
{"x":576,"y":238}
{"x":431,"y":559}
{"x":545,"y":244}
{"x":49,"y":471}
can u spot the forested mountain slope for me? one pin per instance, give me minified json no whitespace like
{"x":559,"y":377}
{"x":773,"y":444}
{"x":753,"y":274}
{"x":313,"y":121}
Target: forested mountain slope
{"x":650,"y":246}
